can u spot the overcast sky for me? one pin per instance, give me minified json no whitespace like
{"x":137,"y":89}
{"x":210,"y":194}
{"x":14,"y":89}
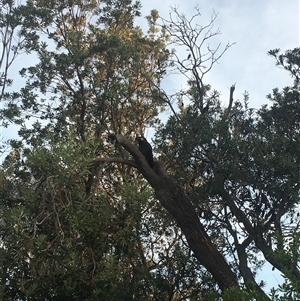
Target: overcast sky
{"x":256,"y":27}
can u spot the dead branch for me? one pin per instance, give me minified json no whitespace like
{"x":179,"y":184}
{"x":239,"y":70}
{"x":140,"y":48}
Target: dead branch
{"x":175,"y":201}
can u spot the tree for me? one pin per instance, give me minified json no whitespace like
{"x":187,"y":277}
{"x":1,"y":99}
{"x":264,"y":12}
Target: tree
{"x":241,"y":170}
{"x":74,"y":227}
{"x":13,"y":44}
{"x":74,"y":95}
{"x":83,"y":220}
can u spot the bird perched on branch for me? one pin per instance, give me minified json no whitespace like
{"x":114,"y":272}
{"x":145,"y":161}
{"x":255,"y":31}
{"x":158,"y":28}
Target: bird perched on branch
{"x":146,"y":149}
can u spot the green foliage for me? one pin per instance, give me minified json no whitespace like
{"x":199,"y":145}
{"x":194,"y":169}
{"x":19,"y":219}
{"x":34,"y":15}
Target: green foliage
{"x":99,"y":73}
{"x":58,"y":243}
{"x":236,"y":294}
{"x":240,"y":168}
{"x":75,"y":226}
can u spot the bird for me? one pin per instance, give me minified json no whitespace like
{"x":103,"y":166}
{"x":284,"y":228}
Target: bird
{"x":146,"y":149}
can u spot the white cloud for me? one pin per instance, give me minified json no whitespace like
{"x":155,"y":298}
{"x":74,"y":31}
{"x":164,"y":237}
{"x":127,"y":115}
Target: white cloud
{"x":256,"y":27}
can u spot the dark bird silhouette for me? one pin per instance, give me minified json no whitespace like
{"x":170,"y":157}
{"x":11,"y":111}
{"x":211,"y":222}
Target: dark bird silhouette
{"x":189,"y":56}
{"x":146,"y":149}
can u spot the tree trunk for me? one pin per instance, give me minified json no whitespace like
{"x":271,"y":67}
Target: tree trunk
{"x":176,"y":203}
{"x":174,"y":200}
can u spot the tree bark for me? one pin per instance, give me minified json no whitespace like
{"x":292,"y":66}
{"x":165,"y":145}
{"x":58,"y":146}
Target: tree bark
{"x":174,"y":200}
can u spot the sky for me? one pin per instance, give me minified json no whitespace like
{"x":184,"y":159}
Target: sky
{"x":255,"y":26}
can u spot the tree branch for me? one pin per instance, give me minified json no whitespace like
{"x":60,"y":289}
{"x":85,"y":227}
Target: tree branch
{"x":115,"y":160}
{"x":174,"y":200}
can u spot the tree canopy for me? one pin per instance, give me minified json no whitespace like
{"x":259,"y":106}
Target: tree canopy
{"x":83,"y":215}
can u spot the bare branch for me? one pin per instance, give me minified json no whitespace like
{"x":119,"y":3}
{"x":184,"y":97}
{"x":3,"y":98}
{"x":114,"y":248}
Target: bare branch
{"x":11,"y":42}
{"x":197,"y":39}
{"x":228,"y":110}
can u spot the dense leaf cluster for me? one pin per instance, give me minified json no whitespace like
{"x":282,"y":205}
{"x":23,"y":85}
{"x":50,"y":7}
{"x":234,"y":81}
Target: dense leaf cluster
{"x":79,"y":221}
